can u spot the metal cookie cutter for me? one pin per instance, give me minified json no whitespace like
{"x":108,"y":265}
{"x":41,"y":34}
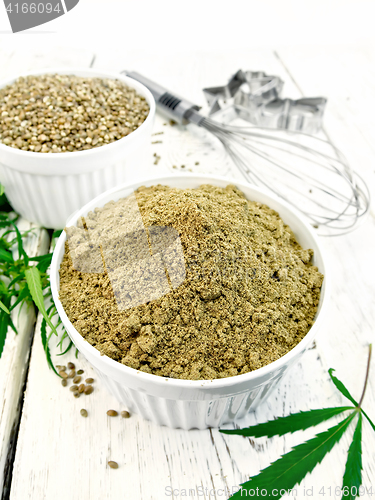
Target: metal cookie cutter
{"x":247,"y":87}
{"x":255,"y":97}
{"x":303,"y":115}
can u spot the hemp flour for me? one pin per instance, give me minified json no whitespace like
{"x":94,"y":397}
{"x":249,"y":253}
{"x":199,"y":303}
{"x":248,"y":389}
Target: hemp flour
{"x":249,"y":296}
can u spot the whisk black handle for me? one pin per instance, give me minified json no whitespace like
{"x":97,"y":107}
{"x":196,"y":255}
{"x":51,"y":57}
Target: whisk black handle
{"x":175,"y":107}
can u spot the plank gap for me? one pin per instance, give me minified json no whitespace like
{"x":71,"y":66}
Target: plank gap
{"x":13,"y":438}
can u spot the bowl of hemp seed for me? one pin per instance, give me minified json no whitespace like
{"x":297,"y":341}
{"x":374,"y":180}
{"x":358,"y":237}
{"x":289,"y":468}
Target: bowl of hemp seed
{"x":191,"y":296}
{"x":67,"y":135}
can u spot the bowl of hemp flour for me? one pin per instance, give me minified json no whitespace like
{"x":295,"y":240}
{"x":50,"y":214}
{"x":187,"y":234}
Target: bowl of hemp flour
{"x":65,"y":131}
{"x":190,"y":295}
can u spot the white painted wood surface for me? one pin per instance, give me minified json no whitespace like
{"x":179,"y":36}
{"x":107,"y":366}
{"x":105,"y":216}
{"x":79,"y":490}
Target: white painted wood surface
{"x":14,"y":360}
{"x":62,"y":455}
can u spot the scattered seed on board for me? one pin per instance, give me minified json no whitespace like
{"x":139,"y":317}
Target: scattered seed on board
{"x":125,"y":414}
{"x":72,"y":374}
{"x":157,"y":159}
{"x":74,"y":388}
{"x":81,"y":388}
{"x":71,"y":366}
{"x":64,"y":382}
{"x":89,"y":380}
{"x":113,"y":465}
{"x":112,"y":413}
{"x":63,"y":374}
{"x":88,"y":389}
{"x":76,"y":394}
{"x":77,"y":379}
{"x":83,"y":412}
{"x":79,"y":372}
{"x":61,"y":368}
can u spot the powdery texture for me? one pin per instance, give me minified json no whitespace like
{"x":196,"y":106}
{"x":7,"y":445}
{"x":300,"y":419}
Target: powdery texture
{"x":250,"y":294}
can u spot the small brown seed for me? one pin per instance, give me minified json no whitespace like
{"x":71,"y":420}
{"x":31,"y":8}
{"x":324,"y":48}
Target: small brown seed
{"x":72,"y":374}
{"x":67,"y":107}
{"x":79,"y":372}
{"x":76,"y":394}
{"x":81,"y":388}
{"x":74,"y":388}
{"x":112,"y":413}
{"x":64,"y":382}
{"x":61,"y":368}
{"x":63,"y":374}
{"x":88,"y":389}
{"x":77,"y":379}
{"x":83,"y":412}
{"x":113,"y":465}
{"x":89,"y":380}
{"x":125,"y":414}
{"x":71,"y":366}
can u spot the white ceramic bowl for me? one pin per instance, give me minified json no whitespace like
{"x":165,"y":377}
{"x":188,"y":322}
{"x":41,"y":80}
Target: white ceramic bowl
{"x":47,"y":188}
{"x":189,"y":403}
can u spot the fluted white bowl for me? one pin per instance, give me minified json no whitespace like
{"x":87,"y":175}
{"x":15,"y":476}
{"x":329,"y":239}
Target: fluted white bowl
{"x":47,"y":188}
{"x":191,"y":404}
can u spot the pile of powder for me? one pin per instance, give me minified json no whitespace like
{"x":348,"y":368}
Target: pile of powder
{"x":250,"y":294}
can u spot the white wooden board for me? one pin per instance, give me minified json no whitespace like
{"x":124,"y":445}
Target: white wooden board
{"x":14,"y":360}
{"x":62,"y":455}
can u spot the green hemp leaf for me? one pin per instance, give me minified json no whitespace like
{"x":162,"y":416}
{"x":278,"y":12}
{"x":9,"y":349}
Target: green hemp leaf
{"x":291,"y":468}
{"x":24,"y":280}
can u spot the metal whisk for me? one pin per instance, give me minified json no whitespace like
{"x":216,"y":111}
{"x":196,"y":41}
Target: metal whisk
{"x":308,"y":172}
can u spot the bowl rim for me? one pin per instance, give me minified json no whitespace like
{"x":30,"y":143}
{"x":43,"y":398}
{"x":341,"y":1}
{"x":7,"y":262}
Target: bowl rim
{"x":219,"y":383}
{"x":96,"y":73}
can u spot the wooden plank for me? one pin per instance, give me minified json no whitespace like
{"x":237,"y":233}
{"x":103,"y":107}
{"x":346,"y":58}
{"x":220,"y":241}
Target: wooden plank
{"x":351,"y":127}
{"x":73,"y":452}
{"x":346,"y":78}
{"x":15,"y":358}
{"x":14,"y":361}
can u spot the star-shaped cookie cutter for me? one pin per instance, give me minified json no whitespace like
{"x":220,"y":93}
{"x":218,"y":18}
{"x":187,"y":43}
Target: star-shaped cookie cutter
{"x":255,"y":97}
{"x":250,"y":86}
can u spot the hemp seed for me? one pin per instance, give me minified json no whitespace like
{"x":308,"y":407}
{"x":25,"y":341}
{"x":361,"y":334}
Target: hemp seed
{"x":66,"y":113}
